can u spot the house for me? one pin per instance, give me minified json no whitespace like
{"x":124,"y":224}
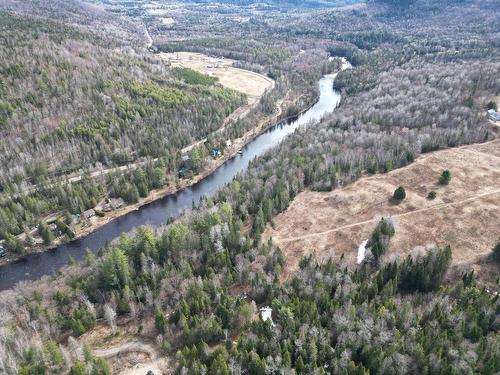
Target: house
{"x":216,"y":153}
{"x":55,"y":230}
{"x":3,"y":251}
{"x":183,"y":171}
{"x":183,"y":166}
{"x":87,"y":215}
{"x":116,"y":203}
{"x":113,"y":204}
{"x":493,"y":115}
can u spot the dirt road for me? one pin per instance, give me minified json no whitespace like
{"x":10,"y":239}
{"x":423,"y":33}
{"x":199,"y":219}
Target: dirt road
{"x":418,"y":211}
{"x":132,"y":346}
{"x":134,"y":358}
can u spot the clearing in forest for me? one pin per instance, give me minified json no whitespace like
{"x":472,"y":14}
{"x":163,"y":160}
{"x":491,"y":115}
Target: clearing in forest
{"x":254,"y":85}
{"x":464,"y":214}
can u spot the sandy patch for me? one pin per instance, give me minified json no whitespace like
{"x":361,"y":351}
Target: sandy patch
{"x":167,"y":20}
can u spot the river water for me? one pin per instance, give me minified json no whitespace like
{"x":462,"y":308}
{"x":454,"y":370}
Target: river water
{"x":35,"y":266}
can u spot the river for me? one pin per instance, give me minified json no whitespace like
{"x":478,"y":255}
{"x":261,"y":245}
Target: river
{"x":34,"y":266}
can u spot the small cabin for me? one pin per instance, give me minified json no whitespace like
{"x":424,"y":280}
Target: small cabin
{"x":55,"y":230}
{"x":216,"y":153}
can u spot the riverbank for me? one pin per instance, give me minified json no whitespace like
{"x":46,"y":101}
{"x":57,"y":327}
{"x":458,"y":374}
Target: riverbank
{"x":177,"y":186}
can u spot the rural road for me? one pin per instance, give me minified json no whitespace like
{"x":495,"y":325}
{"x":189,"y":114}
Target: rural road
{"x":408,"y":213}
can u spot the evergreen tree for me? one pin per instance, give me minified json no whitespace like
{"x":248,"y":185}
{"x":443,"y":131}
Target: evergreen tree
{"x":160,"y":321}
{"x":399,"y":194}
{"x":445,"y":177}
{"x":45,"y":233}
{"x":496,"y":251}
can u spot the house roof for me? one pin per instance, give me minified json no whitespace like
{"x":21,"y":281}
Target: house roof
{"x":89,"y":213}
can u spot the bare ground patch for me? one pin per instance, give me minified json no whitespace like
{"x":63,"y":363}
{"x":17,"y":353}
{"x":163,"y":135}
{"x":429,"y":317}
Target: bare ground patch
{"x":465,"y":214}
{"x":126,"y":352}
{"x":254,"y":85}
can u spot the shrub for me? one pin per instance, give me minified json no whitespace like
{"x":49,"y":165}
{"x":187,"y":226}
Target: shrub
{"x":445,"y":177}
{"x":431,"y":195}
{"x":399,"y":194}
{"x":491,"y":105}
{"x":496,"y":251}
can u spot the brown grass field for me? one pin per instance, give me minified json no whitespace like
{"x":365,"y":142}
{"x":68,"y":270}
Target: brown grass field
{"x":252,"y":84}
{"x":465,"y":214}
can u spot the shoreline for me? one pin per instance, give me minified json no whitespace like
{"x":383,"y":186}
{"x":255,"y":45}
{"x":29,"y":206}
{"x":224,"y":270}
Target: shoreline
{"x":154,"y":195}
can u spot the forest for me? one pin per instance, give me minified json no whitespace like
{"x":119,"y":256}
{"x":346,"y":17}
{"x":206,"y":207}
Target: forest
{"x":75,"y":99}
{"x":196,"y":287}
{"x":70,"y":102}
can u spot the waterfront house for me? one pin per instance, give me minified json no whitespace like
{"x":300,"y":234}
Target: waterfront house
{"x":113,"y":204}
{"x":216,"y":153}
{"x":87,"y":215}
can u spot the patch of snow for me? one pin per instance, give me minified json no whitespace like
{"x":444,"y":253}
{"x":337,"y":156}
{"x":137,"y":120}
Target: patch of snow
{"x":361,"y":251}
{"x":265,"y":314}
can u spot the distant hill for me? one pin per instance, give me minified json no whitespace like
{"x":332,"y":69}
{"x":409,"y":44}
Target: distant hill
{"x":289,"y":3}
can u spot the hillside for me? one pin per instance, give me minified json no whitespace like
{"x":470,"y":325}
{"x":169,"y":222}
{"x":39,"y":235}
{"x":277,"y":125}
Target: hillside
{"x":464,"y":214}
{"x":210,"y":292}
{"x":75,"y":100}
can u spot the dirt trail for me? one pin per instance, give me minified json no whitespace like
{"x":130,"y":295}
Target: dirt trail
{"x":464,"y":214}
{"x":119,"y":357}
{"x":436,"y":207}
{"x":132,"y":346}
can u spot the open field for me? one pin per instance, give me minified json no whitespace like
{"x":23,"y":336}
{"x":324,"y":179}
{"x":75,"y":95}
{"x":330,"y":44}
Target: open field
{"x":465,"y":214}
{"x":254,"y":85}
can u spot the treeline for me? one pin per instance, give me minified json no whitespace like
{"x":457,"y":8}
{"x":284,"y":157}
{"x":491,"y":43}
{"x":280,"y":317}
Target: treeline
{"x":252,"y":51}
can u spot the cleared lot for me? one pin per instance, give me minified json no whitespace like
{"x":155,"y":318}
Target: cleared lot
{"x":465,"y":214}
{"x":252,"y":84}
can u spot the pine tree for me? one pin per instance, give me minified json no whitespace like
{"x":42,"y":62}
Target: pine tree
{"x":160,"y":321}
{"x":399,"y":194}
{"x":445,"y":177}
{"x":45,"y":233}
